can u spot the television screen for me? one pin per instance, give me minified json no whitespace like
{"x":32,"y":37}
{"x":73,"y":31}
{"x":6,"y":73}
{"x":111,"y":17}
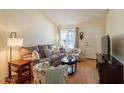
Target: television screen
{"x":106,"y":46}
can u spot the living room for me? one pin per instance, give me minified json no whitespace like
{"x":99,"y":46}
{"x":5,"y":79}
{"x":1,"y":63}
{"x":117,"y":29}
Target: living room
{"x":45,"y":27}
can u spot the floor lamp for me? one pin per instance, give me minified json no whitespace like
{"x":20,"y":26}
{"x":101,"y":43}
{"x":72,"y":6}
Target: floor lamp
{"x":13,"y":41}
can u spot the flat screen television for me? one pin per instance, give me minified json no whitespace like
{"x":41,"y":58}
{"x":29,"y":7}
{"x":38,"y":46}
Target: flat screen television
{"x":106,"y":47}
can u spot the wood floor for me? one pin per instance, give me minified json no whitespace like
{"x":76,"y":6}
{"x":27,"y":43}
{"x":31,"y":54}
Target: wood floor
{"x":86,"y":73}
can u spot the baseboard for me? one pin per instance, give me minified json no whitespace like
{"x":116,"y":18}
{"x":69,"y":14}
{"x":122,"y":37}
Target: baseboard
{"x":91,"y":58}
{"x":82,"y":57}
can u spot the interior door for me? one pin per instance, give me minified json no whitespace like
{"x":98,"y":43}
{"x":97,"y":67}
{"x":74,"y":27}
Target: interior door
{"x":91,"y":44}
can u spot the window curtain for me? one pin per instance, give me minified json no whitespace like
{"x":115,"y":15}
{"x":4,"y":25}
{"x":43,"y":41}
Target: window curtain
{"x":58,"y":29}
{"x":77,"y":37}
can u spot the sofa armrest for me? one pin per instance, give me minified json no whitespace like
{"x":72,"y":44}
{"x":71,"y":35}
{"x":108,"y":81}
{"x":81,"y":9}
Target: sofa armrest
{"x":41,"y":60}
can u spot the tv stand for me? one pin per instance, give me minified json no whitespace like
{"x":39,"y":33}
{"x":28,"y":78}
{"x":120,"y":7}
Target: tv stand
{"x":110,"y":71}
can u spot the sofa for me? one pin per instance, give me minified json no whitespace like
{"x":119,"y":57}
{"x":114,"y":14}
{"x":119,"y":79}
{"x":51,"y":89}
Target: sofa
{"x":54,"y":58}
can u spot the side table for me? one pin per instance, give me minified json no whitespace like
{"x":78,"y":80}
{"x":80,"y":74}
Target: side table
{"x":21,"y":68}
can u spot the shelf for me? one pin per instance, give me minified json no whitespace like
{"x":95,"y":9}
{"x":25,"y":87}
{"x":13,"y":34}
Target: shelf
{"x":15,"y":79}
{"x":13,"y":69}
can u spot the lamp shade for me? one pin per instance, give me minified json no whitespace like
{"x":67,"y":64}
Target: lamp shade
{"x":15,"y":42}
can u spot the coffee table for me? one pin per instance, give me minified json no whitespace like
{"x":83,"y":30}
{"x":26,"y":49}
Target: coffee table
{"x":71,"y":62}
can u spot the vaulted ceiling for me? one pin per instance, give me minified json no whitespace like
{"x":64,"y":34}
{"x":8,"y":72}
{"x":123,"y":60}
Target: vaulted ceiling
{"x":73,"y":16}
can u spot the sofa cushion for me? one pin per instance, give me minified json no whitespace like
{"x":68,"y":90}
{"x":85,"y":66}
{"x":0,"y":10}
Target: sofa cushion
{"x":55,"y":60}
{"x":35,"y":55}
{"x":48,"y":52}
{"x":26,"y":52}
{"x":43,"y":47}
{"x":56,"y":50}
{"x":44,"y":54}
{"x":32,"y":48}
{"x":41,"y":51}
{"x":50,"y":46}
{"x":45,"y":59}
{"x":62,"y":50}
{"x":61,"y":55}
{"x":29,"y":49}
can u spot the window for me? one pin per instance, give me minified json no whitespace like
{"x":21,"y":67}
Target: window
{"x":67,"y":38}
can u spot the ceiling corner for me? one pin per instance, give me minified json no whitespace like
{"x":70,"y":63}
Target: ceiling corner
{"x":48,"y":17}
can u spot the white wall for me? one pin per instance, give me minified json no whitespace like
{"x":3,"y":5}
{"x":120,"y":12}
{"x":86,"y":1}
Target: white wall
{"x":115,"y":28}
{"x":93,"y":31}
{"x":31,"y":25}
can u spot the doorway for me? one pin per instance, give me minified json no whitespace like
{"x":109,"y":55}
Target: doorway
{"x":91,"y":44}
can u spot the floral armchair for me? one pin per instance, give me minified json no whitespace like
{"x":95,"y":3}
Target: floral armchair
{"x":46,"y":74}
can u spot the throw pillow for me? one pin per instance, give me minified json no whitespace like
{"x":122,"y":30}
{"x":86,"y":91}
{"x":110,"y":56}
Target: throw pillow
{"x":45,"y":47}
{"x":41,"y":51}
{"x":56,"y":50}
{"x":25,"y":54}
{"x":48,"y":52}
{"x":35,"y":55}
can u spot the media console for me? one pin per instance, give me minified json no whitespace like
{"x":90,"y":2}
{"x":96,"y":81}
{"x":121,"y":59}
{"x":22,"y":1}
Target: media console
{"x":110,"y":71}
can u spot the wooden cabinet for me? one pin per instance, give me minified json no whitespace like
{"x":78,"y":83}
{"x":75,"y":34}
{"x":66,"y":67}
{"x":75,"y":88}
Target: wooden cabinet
{"x":110,"y":71}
